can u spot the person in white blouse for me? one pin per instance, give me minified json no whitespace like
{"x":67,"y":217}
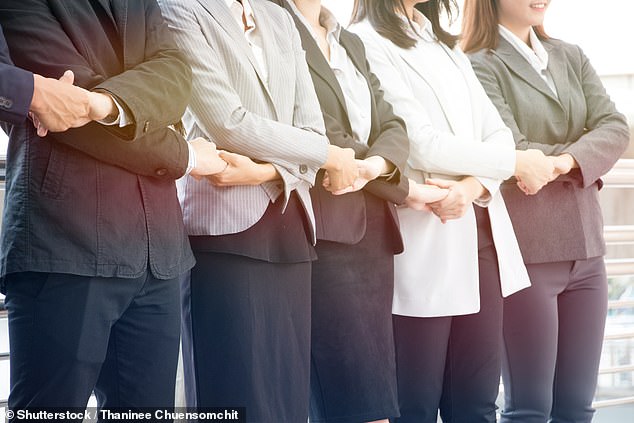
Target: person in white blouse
{"x":461,"y":259}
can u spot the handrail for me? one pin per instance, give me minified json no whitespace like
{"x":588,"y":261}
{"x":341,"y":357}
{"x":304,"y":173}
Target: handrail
{"x":613,"y":402}
{"x":616,"y":304}
{"x":621,"y":175}
{"x":619,"y":234}
{"x":619,"y":335}
{"x":617,"y":369}
{"x":620,"y":267}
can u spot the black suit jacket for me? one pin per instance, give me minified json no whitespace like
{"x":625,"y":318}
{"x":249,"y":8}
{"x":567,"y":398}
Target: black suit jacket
{"x":343,"y":218}
{"x":16,"y":87}
{"x":98,"y":201}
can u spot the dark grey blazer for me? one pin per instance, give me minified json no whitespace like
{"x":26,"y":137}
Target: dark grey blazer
{"x":563,"y":221}
{"x":98,"y":201}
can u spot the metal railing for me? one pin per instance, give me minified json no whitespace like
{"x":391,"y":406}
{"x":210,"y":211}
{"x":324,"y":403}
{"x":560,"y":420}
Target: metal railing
{"x":621,"y":176}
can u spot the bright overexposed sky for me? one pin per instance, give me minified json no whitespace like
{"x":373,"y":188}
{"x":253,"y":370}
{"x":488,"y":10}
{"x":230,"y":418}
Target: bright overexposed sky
{"x":603,"y":28}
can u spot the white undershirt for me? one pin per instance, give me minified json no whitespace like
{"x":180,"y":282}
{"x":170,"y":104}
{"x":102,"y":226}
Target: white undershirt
{"x":535,"y":54}
{"x":356,"y":92}
{"x":243,"y":12}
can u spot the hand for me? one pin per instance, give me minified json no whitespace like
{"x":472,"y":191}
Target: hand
{"x":241,"y":170}
{"x":459,"y":199}
{"x":369,"y":169}
{"x":58,"y":105}
{"x":208,"y":162}
{"x":341,"y":168}
{"x":420,"y":195}
{"x":533,"y":170}
{"x":563,"y":163}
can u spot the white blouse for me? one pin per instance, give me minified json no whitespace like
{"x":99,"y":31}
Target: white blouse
{"x":455,"y":131}
{"x":356,"y":91}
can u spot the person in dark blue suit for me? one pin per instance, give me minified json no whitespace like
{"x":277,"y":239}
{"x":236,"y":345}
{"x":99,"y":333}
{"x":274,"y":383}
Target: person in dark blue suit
{"x":57,"y":104}
{"x":92,"y":237}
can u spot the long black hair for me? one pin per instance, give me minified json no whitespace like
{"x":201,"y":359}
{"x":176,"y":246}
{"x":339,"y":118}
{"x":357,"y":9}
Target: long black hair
{"x":384,"y":17}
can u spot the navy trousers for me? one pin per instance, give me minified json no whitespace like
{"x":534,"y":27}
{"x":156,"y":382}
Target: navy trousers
{"x":71,"y":334}
{"x":553,"y":333}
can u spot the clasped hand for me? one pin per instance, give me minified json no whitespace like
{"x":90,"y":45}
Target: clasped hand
{"x":459,"y":198}
{"x":58,"y":105}
{"x":535,"y":170}
{"x":367,"y":170}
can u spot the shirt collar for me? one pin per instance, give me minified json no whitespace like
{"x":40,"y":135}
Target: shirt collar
{"x":248,"y":12}
{"x":326,"y":19}
{"x":536,"y":53}
{"x":422,"y":27}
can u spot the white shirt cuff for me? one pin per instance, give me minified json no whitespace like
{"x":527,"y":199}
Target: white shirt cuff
{"x":122,"y":118}
{"x":191,"y":163}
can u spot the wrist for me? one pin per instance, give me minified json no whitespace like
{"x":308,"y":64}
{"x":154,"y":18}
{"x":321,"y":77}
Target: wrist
{"x":474,"y":187}
{"x":36,"y":100}
{"x":265,"y":172}
{"x":102,"y":107}
{"x":570,"y":161}
{"x":379,"y":164}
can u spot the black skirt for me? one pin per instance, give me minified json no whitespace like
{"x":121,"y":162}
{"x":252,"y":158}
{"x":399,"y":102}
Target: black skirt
{"x":353,"y":371}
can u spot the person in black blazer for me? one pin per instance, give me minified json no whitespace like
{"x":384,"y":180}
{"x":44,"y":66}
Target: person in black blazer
{"x":92,"y":233}
{"x":353,"y":374}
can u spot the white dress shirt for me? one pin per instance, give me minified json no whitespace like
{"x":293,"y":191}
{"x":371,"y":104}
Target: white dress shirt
{"x":454,"y":131}
{"x":536,"y":55}
{"x":242,"y":12}
{"x":356,"y":91}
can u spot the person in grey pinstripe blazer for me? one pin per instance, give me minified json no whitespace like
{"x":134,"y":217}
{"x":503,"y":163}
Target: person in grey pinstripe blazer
{"x":252,"y":227}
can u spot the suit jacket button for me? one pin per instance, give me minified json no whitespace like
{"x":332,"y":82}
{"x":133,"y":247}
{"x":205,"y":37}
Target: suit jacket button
{"x":6,"y":103}
{"x":303,"y":169}
{"x":146,"y":126}
{"x":161,"y":172}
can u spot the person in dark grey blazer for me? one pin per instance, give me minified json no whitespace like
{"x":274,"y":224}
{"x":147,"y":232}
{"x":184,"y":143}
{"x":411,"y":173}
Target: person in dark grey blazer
{"x":92,"y":233}
{"x":551,"y":98}
{"x":353,"y":370}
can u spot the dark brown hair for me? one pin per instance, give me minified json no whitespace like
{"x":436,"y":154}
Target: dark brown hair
{"x":384,"y":18}
{"x":480,"y":26}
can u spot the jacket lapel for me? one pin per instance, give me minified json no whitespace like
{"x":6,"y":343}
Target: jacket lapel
{"x":409,"y":56}
{"x":559,"y":72}
{"x":507,"y":53}
{"x":221,"y":14}
{"x":316,"y":60}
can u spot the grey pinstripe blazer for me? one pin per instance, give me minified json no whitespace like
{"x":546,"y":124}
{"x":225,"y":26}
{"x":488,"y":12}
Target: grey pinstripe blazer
{"x":563,"y":221}
{"x":279,"y":122}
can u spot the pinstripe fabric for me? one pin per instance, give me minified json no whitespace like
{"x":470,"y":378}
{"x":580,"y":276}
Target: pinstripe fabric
{"x":279,"y":122}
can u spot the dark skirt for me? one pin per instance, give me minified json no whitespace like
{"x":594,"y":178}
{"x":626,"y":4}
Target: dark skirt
{"x":249,"y":344}
{"x":353,"y":373}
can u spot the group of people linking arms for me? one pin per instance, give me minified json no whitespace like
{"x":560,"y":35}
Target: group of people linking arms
{"x":380,"y":224}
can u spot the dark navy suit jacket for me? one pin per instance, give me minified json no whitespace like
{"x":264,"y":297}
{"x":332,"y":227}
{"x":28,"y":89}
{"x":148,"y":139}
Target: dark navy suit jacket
{"x":96,"y":200}
{"x":16,"y":87}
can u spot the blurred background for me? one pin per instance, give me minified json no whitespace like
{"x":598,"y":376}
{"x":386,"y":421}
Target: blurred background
{"x":605,"y":31}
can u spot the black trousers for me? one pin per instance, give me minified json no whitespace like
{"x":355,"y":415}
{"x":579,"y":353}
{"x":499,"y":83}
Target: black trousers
{"x":452,"y":364}
{"x":553,"y":334}
{"x":71,"y":334}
